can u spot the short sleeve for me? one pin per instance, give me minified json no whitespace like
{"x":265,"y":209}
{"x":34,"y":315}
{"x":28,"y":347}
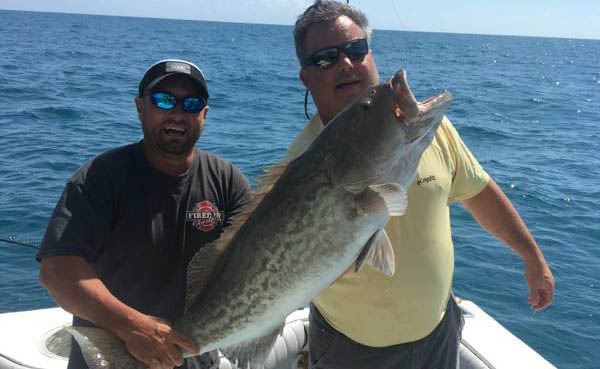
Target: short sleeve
{"x":304,"y":138}
{"x":239,"y":194}
{"x":469,"y":176}
{"x":81,"y":219}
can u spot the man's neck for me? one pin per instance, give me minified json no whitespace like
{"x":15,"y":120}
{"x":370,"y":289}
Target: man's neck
{"x":169,"y":165}
{"x":324,"y":119}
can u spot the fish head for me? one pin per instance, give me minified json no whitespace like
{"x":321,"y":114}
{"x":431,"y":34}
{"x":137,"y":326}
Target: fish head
{"x":385,"y":132}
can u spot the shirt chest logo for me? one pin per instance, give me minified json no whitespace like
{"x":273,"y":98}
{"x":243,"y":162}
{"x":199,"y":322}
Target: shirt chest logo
{"x":205,"y":216}
{"x":426,"y":180}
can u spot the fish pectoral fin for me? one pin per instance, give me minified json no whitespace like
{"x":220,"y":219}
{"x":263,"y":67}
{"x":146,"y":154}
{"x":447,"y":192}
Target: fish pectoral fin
{"x":102,"y":349}
{"x":394,"y":196}
{"x":378,"y":253}
{"x":253,"y":354}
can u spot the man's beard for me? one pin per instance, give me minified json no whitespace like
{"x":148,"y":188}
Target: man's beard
{"x":172,"y":149}
{"x":175,"y":149}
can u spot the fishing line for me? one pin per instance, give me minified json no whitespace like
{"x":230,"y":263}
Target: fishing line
{"x":398,"y":15}
{"x":306,"y":105}
{"x":12,"y":241}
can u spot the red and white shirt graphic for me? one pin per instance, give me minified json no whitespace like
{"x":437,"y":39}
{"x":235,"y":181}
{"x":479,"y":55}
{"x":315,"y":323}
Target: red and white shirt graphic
{"x":205,"y":216}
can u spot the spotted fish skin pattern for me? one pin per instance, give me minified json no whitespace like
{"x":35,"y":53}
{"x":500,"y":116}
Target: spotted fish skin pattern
{"x":311,"y":219}
{"x":309,"y":227}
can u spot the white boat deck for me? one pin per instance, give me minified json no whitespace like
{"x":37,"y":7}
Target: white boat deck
{"x":485,"y":345}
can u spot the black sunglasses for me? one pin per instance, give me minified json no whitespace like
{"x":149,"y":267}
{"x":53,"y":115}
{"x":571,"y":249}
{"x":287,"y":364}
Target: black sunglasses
{"x":329,"y":56}
{"x":165,"y":101}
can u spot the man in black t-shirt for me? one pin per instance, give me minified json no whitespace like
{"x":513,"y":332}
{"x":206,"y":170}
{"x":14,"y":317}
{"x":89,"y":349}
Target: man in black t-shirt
{"x":116,"y":249}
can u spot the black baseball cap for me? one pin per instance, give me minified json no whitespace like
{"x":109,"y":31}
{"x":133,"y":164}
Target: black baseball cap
{"x":168,"y":67}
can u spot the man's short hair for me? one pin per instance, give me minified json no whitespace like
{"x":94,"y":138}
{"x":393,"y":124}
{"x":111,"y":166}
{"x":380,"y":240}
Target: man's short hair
{"x":325,"y":11}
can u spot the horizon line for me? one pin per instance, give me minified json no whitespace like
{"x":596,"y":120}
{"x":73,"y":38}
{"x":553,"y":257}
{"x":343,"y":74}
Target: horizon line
{"x":290,"y":25}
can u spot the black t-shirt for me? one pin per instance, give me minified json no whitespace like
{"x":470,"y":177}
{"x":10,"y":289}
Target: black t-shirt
{"x":139,"y":228}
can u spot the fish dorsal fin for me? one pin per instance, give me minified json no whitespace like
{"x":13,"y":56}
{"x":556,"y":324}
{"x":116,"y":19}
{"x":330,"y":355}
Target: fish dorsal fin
{"x":394,"y":195}
{"x":206,"y":261}
{"x":267,"y":180}
{"x":200,"y":270}
{"x":378,"y":253}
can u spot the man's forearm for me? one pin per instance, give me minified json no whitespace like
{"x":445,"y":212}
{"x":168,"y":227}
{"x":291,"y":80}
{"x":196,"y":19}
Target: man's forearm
{"x":495,"y":213}
{"x":77,"y":289}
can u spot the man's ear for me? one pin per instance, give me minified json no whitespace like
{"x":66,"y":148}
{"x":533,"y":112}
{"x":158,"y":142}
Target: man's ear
{"x":304,"y":77}
{"x":139,"y":106}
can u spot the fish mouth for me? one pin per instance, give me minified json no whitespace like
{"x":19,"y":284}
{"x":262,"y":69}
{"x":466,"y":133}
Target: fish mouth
{"x":422,"y":107}
{"x":399,"y":114}
{"x":406,"y":108}
{"x":435,"y":101}
{"x":417,"y":118}
{"x":431,"y":112}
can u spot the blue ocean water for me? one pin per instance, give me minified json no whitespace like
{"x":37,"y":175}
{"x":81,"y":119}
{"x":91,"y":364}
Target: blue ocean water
{"x":529,"y":108}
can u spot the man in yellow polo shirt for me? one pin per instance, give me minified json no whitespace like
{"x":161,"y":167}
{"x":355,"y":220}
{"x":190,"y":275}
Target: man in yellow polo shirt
{"x":366,"y":319}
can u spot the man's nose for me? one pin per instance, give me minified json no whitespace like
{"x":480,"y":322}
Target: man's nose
{"x":177,"y":112}
{"x":345,"y":64}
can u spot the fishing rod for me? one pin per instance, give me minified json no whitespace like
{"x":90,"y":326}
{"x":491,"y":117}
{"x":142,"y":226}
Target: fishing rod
{"x":12,"y":241}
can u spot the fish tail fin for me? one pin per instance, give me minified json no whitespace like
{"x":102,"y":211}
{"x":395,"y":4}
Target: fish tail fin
{"x":102,"y":349}
{"x":252,"y":354}
{"x":59,"y":343}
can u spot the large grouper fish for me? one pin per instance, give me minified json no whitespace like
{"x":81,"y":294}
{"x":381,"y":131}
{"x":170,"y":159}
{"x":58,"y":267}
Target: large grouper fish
{"x":309,"y":222}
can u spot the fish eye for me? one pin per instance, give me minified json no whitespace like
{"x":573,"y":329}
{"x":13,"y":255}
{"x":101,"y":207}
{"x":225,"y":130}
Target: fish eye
{"x":372,"y":93}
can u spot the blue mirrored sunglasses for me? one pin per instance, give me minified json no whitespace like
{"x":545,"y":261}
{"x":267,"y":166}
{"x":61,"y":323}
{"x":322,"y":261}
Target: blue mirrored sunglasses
{"x":329,"y":56}
{"x":165,"y":101}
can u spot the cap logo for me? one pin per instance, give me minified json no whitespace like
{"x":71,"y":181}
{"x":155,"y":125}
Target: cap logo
{"x":178,"y":68}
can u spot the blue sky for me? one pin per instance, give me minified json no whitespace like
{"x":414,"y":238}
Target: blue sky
{"x":554,"y":18}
